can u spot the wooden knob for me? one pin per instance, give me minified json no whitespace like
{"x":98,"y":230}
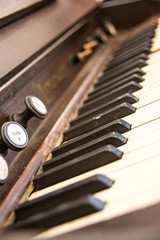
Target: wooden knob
{"x":81,"y":56}
{"x":34,"y":108}
{"x":90,"y":45}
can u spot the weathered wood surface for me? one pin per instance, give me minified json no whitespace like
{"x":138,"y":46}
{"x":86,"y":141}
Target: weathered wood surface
{"x":12,"y":10}
{"x":38,"y":149}
{"x":23,"y":40}
{"x":48,"y":76}
{"x":40,"y":66}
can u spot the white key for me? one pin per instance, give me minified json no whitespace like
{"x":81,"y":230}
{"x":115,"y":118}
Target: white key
{"x":136,"y":175}
{"x":137,"y":143}
{"x":135,"y":187}
{"x":147,"y":97}
{"x":144,"y":114}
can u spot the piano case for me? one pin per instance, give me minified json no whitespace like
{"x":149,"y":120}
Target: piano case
{"x":39,"y":44}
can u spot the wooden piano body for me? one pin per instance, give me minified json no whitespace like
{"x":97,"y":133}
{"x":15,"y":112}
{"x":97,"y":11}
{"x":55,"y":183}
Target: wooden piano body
{"x":35,"y":60}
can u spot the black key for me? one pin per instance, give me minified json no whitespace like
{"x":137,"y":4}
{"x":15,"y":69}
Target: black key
{"x":122,"y":64}
{"x":122,"y":69}
{"x":144,"y":34}
{"x":132,"y":44}
{"x":133,"y":47}
{"x":107,"y":88}
{"x":114,"y":72}
{"x":134,"y":77}
{"x":128,"y":97}
{"x":77,"y":166}
{"x":117,"y":90}
{"x":113,"y":138}
{"x":63,"y":213}
{"x":89,"y":185}
{"x":118,"y":125}
{"x":128,"y":55}
{"x":136,"y":39}
{"x":117,"y":112}
{"x":97,"y":99}
{"x":140,"y":59}
{"x":147,"y":43}
{"x":120,"y":59}
{"x":105,"y":78}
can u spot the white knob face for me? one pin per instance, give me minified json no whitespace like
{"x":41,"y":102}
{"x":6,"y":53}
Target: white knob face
{"x":4,"y":170}
{"x":14,"y":135}
{"x":38,"y":105}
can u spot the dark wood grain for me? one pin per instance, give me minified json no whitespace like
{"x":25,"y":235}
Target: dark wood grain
{"x":128,"y":13}
{"x":34,"y":60}
{"x":12,"y":10}
{"x":23,"y":40}
{"x":38,"y":148}
{"x":47,"y":76}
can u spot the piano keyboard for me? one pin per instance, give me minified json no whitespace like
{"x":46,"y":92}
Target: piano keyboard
{"x":108,"y":164}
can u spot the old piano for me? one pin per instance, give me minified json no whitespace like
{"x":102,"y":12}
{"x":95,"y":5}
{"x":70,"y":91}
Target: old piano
{"x":80,"y":119}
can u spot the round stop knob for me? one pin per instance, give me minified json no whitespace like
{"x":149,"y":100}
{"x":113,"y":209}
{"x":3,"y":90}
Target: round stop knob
{"x":13,"y":136}
{"x":110,"y":29}
{"x":34,"y":108}
{"x":4,"y":170}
